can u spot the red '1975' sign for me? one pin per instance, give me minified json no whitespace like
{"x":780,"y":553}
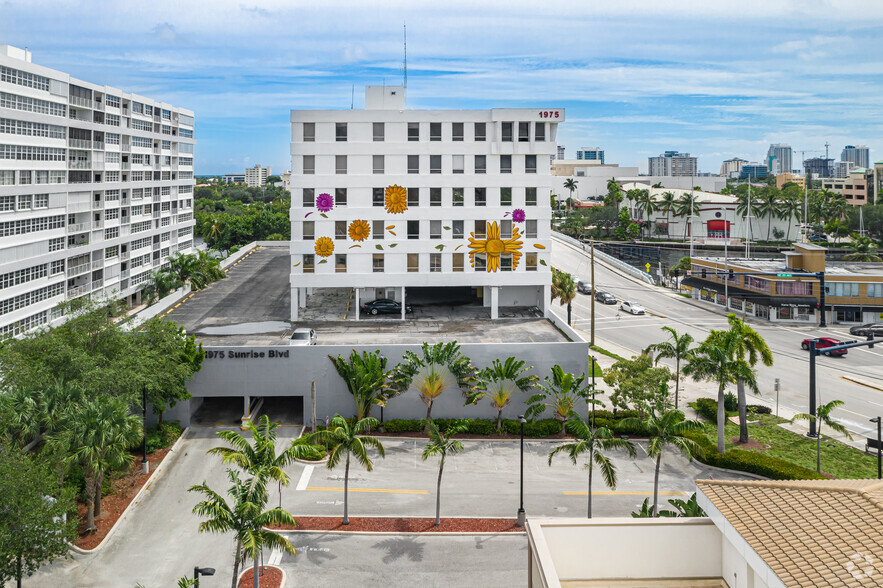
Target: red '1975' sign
{"x":550,"y":114}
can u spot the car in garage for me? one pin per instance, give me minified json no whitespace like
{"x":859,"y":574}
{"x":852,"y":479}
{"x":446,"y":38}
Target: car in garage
{"x":385,"y":306}
{"x":584,"y":287}
{"x":875,"y":329}
{"x":823,"y":342}
{"x":605,"y":297}
{"x":302,"y":337}
{"x":632,"y":307}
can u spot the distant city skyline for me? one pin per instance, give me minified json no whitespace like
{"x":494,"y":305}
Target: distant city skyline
{"x":636,"y":79}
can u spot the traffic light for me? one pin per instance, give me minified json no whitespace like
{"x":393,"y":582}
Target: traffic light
{"x":704,"y":273}
{"x":677,"y":272}
{"x":732,"y":275}
{"x":871,"y":338}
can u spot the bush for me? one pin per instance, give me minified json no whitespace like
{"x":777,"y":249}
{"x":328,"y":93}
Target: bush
{"x":621,"y":429}
{"x":731,"y":402}
{"x":707,"y":408}
{"x":160,"y":437}
{"x":759,"y":409}
{"x":543,"y":428}
{"x":751,"y":462}
{"x":311,"y":452}
{"x":404,"y":426}
{"x":481,"y":427}
{"x":603,"y":422}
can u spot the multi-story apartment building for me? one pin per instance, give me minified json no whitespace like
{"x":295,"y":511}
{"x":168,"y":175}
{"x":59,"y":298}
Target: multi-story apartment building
{"x":778,"y":158}
{"x":96,"y":190}
{"x":858,"y":155}
{"x":256,"y":176}
{"x":752,"y":169}
{"x":856,"y":187}
{"x":672,"y":163}
{"x":592,"y":155}
{"x":731,"y":168}
{"x":442,"y":203}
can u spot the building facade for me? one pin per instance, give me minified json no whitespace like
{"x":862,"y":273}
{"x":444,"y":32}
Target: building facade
{"x":858,"y":155}
{"x":779,"y":158}
{"x":819,"y":167}
{"x":783,"y":179}
{"x":256,"y":176}
{"x":594,"y":154}
{"x":672,"y":163}
{"x":753,"y":170}
{"x":855,"y":187}
{"x":451,"y":204}
{"x":234,"y":178}
{"x":731,"y":168}
{"x":96,"y":189}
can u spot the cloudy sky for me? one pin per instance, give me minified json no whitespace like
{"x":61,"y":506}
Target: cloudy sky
{"x":716,"y":78}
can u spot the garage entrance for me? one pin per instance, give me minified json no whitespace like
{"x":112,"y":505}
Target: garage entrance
{"x":216,"y":411}
{"x":284,"y":410}
{"x":442,"y":296}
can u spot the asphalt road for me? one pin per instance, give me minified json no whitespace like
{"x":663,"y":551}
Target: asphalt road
{"x":863,"y":400}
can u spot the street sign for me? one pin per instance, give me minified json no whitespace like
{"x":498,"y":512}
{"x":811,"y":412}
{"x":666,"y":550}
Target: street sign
{"x":784,"y":275}
{"x":648,"y":267}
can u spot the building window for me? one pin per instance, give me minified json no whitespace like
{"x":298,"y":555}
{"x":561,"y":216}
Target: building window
{"x":506,"y":262}
{"x":752,"y":282}
{"x":340,"y":164}
{"x":378,"y":263}
{"x":413,"y":262}
{"x":413,"y":164}
{"x":413,"y":229}
{"x":435,"y":262}
{"x":340,"y":229}
{"x":340,"y":196}
{"x":309,"y":197}
{"x":458,"y":262}
{"x":435,"y":229}
{"x":340,"y":131}
{"x":480,"y":229}
{"x":793,"y":288}
{"x":524,"y":132}
{"x":413,"y":197}
{"x":505,"y":196}
{"x":530,"y":196}
{"x":457,"y":229}
{"x":481,"y":164}
{"x":507,"y":132}
{"x":481,"y":197}
{"x":413,"y":131}
{"x":457,"y":196}
{"x":530,"y":229}
{"x":505,"y":164}
{"x":456,"y":131}
{"x":309,"y":164}
{"x":378,"y":164}
{"x":377,"y":229}
{"x":377,"y":197}
{"x":435,"y":164}
{"x":875,"y":290}
{"x":340,"y":263}
{"x":457,"y":164}
{"x":480,"y":262}
{"x":505,"y":229}
{"x":530,"y":164}
{"x":435,"y":131}
{"x":309,"y":132}
{"x":435,"y":197}
{"x":843,"y":289}
{"x":309,"y":230}
{"x":539,"y":133}
{"x":530,"y":262}
{"x":379,"y":131}
{"x":480,"y":131}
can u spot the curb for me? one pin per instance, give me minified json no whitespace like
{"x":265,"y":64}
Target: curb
{"x":444,"y":533}
{"x":281,"y":582}
{"x":170,"y":457}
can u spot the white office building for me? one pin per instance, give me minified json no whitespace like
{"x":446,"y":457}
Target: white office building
{"x":732,"y":168}
{"x":672,"y":163}
{"x":96,"y":190}
{"x":779,"y":159}
{"x":256,"y":176}
{"x":590,"y":154}
{"x":440,"y":205}
{"x":858,"y":155}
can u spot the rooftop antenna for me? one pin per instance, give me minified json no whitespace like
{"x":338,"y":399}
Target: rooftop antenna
{"x":353,"y":97}
{"x":405,"y":62}
{"x":826,"y":149}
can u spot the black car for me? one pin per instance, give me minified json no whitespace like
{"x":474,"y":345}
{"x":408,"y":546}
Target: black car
{"x":605,"y":297}
{"x":384,"y":305}
{"x":875,"y":329}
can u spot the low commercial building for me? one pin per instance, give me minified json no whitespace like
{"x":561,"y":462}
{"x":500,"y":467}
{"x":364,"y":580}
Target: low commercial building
{"x":592,"y":179}
{"x":787,"y":178}
{"x":234,"y":178}
{"x":856,"y":188}
{"x":853,"y":290}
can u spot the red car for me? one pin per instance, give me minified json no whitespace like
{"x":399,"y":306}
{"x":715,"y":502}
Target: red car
{"x":823,"y":342}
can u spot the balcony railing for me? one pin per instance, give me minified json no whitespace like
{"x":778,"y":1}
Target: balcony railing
{"x":156,"y":246}
{"x":98,"y":106}
{"x":98,"y":264}
{"x":78,"y":291}
{"x":97,"y":224}
{"x":76,"y":164}
{"x":79,"y":143}
{"x":79,"y":227}
{"x":98,"y":165}
{"x":97,"y":284}
{"x":78,"y":101}
{"x":126,"y":147}
{"x":99,"y":145}
{"x":124,"y":274}
{"x":126,"y":165}
{"x":77,"y":270}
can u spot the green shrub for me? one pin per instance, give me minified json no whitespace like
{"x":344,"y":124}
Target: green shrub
{"x":759,"y":409}
{"x":543,"y":428}
{"x":752,"y":462}
{"x":160,"y":437}
{"x":481,"y":427}
{"x":707,"y":408}
{"x":621,"y":429}
{"x":404,"y":426}
{"x":603,"y":422}
{"x":311,"y":452}
{"x":731,"y":403}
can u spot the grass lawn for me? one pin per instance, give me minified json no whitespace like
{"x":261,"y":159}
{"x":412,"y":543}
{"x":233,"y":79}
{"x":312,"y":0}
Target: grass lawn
{"x":838,"y":459}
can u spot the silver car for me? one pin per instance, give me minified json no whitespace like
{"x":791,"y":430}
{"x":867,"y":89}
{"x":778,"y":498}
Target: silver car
{"x":632,"y":307}
{"x":303,"y":337}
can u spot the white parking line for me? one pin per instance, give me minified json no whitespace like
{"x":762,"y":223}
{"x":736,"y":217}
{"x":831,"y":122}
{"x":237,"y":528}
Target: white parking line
{"x":305,"y":477}
{"x":275,"y":556}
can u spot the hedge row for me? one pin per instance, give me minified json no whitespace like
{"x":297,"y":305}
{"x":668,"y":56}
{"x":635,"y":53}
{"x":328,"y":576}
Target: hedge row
{"x":752,"y":462}
{"x":707,"y":408}
{"x":542,"y":428}
{"x":310,"y":452}
{"x":160,"y":436}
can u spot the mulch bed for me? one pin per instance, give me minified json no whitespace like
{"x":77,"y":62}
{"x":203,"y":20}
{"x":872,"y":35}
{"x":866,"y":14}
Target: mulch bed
{"x":752,"y":444}
{"x":268,"y":577}
{"x":421,"y":435}
{"x":123,"y":491}
{"x":405,"y":525}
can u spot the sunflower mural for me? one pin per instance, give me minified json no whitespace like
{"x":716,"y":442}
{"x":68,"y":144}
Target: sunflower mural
{"x":395,"y":199}
{"x":324,"y":246}
{"x":493,"y":247}
{"x":359,"y":230}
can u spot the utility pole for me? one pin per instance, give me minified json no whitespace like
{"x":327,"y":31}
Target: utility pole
{"x":592,"y":302}
{"x":748,"y":219}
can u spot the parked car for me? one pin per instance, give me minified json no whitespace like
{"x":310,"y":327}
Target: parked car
{"x":303,"y":337}
{"x":584,"y":287}
{"x":823,"y":342}
{"x":632,"y":307}
{"x":605,"y":297}
{"x":875,"y":329}
{"x":817,"y":238}
{"x":385,"y":305}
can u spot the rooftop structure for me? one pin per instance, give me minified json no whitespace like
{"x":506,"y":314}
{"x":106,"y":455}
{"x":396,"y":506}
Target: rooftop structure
{"x":590,"y":155}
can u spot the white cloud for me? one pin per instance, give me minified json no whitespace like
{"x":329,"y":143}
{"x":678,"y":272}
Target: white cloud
{"x":165,"y":32}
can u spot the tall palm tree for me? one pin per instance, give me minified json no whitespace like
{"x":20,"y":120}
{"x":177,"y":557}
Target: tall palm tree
{"x":823,"y":416}
{"x":668,"y":428}
{"x":442,"y":444}
{"x":564,"y":289}
{"x":646,"y":205}
{"x":667,"y":204}
{"x":863,"y":249}
{"x":592,"y":442}
{"x":614,"y":193}
{"x":837,"y":209}
{"x":687,"y":207}
{"x":344,"y":441}
{"x":366,"y":377}
{"x":211,"y":229}
{"x":570,"y":184}
{"x":438,"y":368}
{"x":560,"y":393}
{"x":245,"y":518}
{"x":678,"y":349}
{"x":499,"y":381}
{"x":791,"y":208}
{"x":768,"y":207}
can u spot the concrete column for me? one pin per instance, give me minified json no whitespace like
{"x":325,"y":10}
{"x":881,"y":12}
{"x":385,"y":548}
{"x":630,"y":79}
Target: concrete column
{"x":546,"y":297}
{"x":495,"y":301}
{"x":295,"y":302}
{"x":403,"y":303}
{"x":246,"y":402}
{"x":357,"y":303}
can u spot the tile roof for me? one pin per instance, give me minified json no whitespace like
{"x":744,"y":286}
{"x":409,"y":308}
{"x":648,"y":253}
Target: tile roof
{"x":809,"y":532}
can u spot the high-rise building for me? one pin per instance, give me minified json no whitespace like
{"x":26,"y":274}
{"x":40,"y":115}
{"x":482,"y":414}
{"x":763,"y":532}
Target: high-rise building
{"x":672,"y":163}
{"x":256,"y":176}
{"x":752,"y":170}
{"x":819,"y":167}
{"x":96,"y":190}
{"x":859,"y":155}
{"x":779,"y":159}
{"x":732,"y":167}
{"x":594,"y":154}
{"x":450,"y":204}
{"x":560,"y":154}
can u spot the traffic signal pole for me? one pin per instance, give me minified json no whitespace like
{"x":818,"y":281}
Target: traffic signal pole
{"x":813,"y":353}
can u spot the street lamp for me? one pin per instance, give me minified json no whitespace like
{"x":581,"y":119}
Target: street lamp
{"x":198,"y":571}
{"x":145,"y":465}
{"x":520,"y":521}
{"x":879,"y":422}
{"x":592,"y":357}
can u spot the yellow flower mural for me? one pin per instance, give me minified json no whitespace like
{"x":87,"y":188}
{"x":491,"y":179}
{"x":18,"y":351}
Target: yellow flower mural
{"x":395,"y":199}
{"x":494,"y":246}
{"x":359,"y":230}
{"x":324,"y":246}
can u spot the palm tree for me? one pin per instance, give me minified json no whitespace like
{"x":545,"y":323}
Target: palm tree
{"x":646,"y":205}
{"x":712,"y":361}
{"x":159,"y":285}
{"x":439,"y":367}
{"x":592,"y":442}
{"x":837,"y":209}
{"x":442,"y":444}
{"x":746,"y":207}
{"x":791,"y":208}
{"x":211,"y":229}
{"x":245,"y":518}
{"x":564,"y":289}
{"x":560,"y":393}
{"x":863,"y":249}
{"x":687,"y":207}
{"x":667,"y":204}
{"x":614,"y":193}
{"x":669,"y":428}
{"x":768,"y":206}
{"x":366,"y":377}
{"x":499,"y":382}
{"x":570,"y":184}
{"x":344,"y":440}
{"x":823,"y":416}
{"x":678,"y":349}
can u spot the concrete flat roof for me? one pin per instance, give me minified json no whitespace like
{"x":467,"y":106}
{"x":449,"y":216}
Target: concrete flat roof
{"x":855,"y":269}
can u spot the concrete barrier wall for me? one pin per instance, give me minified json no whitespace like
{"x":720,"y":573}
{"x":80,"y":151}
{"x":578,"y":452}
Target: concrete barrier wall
{"x":160,"y":306}
{"x":608,"y":259}
{"x":289,"y":371}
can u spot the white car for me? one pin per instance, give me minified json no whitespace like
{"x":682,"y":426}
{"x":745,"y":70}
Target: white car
{"x":632,"y":307}
{"x":303,"y":337}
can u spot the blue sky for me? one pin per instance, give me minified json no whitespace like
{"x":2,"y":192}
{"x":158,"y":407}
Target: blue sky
{"x":716,"y":78}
